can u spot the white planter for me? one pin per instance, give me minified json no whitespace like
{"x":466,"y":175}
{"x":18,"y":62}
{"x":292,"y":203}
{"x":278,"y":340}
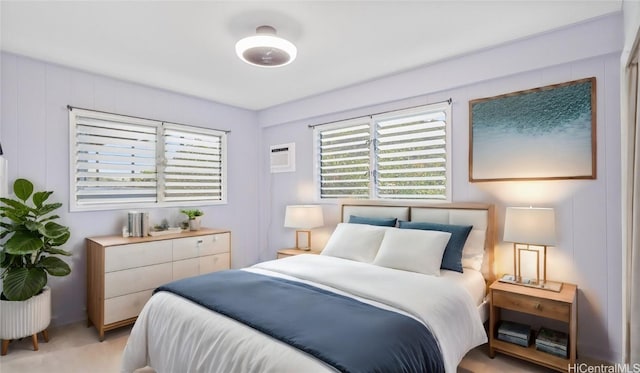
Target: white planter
{"x":194,"y":224}
{"x":24,"y":318}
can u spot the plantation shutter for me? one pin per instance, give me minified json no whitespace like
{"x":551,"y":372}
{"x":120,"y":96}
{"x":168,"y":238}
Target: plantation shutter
{"x":194,"y":164}
{"x":113,"y":158}
{"x":411,"y":153}
{"x":344,"y":159}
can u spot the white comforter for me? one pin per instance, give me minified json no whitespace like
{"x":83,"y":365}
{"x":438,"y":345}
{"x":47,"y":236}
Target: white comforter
{"x":175,"y":335}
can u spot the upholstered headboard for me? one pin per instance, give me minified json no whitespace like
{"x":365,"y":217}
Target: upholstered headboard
{"x":479,"y":215}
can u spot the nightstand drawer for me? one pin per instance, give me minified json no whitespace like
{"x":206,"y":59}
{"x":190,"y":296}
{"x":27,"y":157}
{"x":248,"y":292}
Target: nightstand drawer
{"x":536,"y":306}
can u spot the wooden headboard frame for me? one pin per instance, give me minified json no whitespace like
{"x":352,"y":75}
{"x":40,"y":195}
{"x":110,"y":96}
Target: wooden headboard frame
{"x":403,"y":211}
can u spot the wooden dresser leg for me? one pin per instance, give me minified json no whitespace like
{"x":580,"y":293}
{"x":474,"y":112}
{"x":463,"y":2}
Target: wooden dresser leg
{"x":5,"y":346}
{"x":34,"y":339}
{"x":45,"y":335}
{"x":101,"y":335}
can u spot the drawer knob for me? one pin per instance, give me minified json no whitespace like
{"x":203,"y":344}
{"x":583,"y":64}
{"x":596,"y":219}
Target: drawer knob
{"x":538,"y":306}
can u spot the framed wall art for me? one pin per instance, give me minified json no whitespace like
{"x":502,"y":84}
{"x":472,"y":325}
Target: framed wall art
{"x":546,"y":133}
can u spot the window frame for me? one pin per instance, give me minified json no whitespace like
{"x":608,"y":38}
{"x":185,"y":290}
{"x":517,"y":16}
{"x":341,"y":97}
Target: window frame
{"x":372,"y":120}
{"x":160,"y":126}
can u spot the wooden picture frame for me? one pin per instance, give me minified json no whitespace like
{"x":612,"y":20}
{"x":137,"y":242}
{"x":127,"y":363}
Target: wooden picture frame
{"x":545,"y":133}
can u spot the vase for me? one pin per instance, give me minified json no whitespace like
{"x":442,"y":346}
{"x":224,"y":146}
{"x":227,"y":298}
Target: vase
{"x":25,"y":318}
{"x":194,"y":224}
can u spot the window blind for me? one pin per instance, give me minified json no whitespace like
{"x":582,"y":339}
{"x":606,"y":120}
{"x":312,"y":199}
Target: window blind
{"x":119,"y":161}
{"x":193,"y":163}
{"x":115,"y":159}
{"x":344,"y":159}
{"x":402,"y":154}
{"x":411,"y":154}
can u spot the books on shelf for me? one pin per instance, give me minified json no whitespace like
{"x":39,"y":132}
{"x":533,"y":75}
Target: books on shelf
{"x":552,"y":350}
{"x":547,"y":340}
{"x":524,"y":342}
{"x":552,"y":338}
{"x":513,"y":332}
{"x":552,"y":341}
{"x":514,"y":329}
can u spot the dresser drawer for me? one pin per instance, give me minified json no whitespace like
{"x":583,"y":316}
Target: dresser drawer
{"x":136,"y":279}
{"x":121,"y":257}
{"x":215,"y":244}
{"x":213,"y":263}
{"x":197,"y":266}
{"x":193,"y":247}
{"x":184,"y":248}
{"x":186,"y":268}
{"x":531,"y":305}
{"x":125,"y":306}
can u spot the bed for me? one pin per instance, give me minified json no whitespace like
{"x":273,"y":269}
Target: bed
{"x":176,"y":333}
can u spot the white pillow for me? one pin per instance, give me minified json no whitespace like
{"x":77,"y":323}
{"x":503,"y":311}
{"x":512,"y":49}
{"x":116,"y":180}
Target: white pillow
{"x":358,"y":242}
{"x":412,"y":250}
{"x":473,"y":251}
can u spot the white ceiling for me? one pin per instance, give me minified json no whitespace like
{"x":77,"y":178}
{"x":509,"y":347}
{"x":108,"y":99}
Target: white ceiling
{"x":188,"y":46}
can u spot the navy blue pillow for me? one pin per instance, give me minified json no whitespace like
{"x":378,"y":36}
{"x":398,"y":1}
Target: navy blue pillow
{"x":452,"y":258}
{"x":383,"y":222}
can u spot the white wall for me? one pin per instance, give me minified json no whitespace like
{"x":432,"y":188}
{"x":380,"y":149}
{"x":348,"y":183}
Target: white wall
{"x":34,"y":132}
{"x":588,"y":211}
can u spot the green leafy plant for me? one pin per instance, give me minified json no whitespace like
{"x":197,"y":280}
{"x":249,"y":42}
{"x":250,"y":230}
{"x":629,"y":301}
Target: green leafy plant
{"x":29,"y":252}
{"x":192,"y":214}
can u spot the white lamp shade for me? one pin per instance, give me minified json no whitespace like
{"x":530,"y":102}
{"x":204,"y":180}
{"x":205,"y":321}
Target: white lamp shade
{"x":533,"y":226}
{"x":303,"y":216}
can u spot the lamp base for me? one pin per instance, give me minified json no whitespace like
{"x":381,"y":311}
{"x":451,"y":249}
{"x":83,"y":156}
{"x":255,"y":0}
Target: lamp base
{"x":298,"y":241}
{"x":544,"y":285}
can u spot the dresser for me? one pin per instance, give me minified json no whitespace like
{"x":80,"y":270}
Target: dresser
{"x":122,"y":272}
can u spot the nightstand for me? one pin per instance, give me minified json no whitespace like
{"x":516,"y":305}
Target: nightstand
{"x":291,"y":252}
{"x":544,"y":304}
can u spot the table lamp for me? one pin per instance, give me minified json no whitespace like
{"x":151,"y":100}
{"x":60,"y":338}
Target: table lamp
{"x":303,"y":218}
{"x":527,"y":227}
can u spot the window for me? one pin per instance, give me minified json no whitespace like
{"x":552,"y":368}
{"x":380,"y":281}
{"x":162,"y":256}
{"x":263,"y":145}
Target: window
{"x":122,"y":162}
{"x":193,"y":164}
{"x":345,"y":159}
{"x":396,"y":155}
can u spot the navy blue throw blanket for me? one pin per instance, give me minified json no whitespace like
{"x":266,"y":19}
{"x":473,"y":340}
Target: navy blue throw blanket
{"x":347,"y":334}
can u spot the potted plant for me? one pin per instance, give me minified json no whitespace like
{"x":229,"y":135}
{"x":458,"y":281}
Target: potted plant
{"x":27,"y":257}
{"x":194,"y":218}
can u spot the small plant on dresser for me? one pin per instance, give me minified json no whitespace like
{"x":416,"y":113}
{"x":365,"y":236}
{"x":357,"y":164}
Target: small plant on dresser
{"x":194,"y":216}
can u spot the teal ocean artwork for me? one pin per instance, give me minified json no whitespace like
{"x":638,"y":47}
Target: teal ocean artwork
{"x":541,"y":133}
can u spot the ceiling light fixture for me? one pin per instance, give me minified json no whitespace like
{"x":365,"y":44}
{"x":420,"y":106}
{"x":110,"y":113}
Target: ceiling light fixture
{"x":266,"y":49}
